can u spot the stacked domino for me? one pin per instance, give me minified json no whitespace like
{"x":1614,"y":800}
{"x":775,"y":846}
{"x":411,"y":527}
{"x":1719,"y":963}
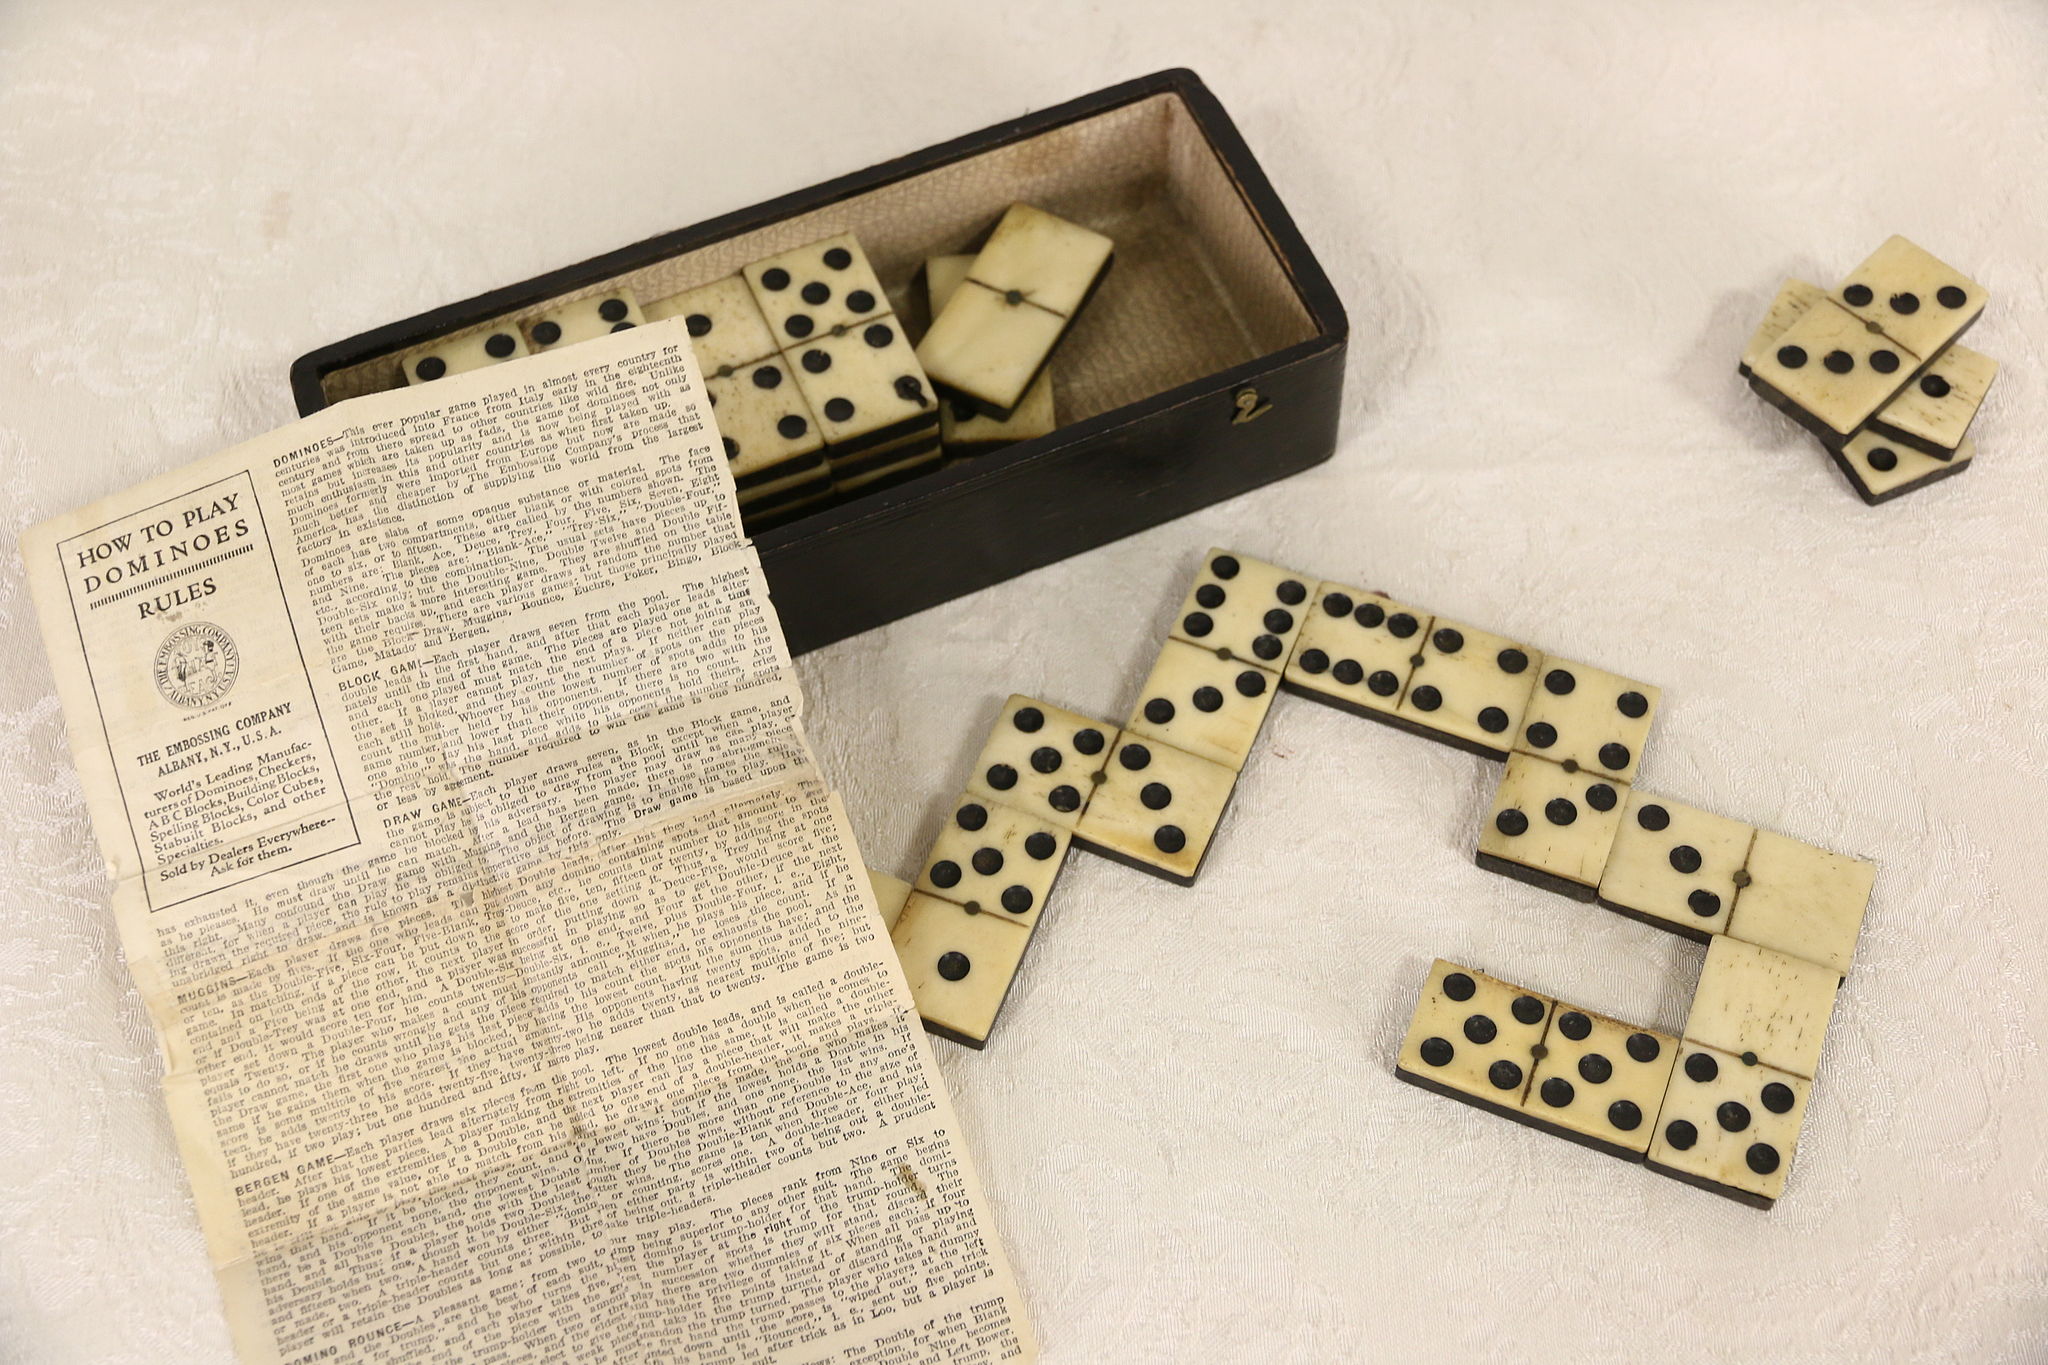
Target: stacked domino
{"x":1873,"y":368}
{"x":814,"y":382}
{"x":964,"y":429}
{"x":1719,"y":1108}
{"x":851,"y":361}
{"x":818,"y":391}
{"x":1719,"y":1105}
{"x":1780,"y":917}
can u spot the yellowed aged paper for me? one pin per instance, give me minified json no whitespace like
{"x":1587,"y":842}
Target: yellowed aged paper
{"x":521,"y":994}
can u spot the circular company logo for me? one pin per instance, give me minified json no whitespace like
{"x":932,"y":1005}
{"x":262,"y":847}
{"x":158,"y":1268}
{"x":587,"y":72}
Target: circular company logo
{"x":197,"y":665}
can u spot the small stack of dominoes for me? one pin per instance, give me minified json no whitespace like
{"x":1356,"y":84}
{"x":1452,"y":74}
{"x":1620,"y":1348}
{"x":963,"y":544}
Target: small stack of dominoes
{"x":1780,"y":917}
{"x":817,"y":389}
{"x":1720,"y":1108}
{"x":1873,"y":370}
{"x":814,"y":383}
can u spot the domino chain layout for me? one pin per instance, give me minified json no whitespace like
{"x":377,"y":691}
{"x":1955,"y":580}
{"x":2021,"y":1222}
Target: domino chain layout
{"x":1719,"y":1106}
{"x":1874,"y":370}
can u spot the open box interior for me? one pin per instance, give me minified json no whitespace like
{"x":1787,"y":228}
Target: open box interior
{"x":1196,"y":286}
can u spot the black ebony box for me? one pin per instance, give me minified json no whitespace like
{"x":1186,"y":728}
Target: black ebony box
{"x":1210,"y":361}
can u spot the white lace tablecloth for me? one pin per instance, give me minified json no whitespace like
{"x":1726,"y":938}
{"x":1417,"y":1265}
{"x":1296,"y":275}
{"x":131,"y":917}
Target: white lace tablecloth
{"x":1553,"y":225}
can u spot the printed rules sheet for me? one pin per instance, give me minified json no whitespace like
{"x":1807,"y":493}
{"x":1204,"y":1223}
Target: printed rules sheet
{"x":520,"y":990}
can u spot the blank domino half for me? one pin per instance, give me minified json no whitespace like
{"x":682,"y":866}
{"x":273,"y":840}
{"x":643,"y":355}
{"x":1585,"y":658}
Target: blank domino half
{"x":963,"y":429}
{"x":960,"y":965}
{"x":1528,"y":1057}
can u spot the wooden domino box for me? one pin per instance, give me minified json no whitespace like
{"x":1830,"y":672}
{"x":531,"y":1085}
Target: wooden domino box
{"x":1209,"y":361}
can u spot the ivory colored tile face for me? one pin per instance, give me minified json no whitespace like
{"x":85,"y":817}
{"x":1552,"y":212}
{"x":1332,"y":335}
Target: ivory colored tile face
{"x":1588,"y":716}
{"x":1794,"y":298}
{"x":1675,"y":866}
{"x":1933,"y":413}
{"x":863,"y":383}
{"x":890,"y":894}
{"x":811,"y":290}
{"x":1469,"y":686}
{"x":1157,"y":808}
{"x":1049,"y":261}
{"x":1728,"y":1126}
{"x":1355,"y":648}
{"x":1473,"y":1037}
{"x":1917,"y":300}
{"x":989,"y":348}
{"x":1600,"y":1081}
{"x":962,"y":428}
{"x":585,"y":319}
{"x":1244,"y":605}
{"x":1803,"y":900}
{"x":1880,"y":468}
{"x":727,"y":328}
{"x":960,"y":965}
{"x":473,"y":352}
{"x":769,"y":512}
{"x":1834,"y":369}
{"x":1043,"y":760}
{"x":1551,"y":827}
{"x":995,"y":860}
{"x":1210,"y":707}
{"x":765,"y":422}
{"x":1755,"y":1001}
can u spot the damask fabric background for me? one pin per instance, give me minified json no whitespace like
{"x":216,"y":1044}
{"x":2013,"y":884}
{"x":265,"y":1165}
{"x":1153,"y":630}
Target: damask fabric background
{"x":1554,"y":225}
